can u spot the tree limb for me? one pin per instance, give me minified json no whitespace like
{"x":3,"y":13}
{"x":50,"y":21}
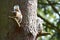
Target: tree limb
{"x":53,"y":7}
{"x":49,"y":4}
{"x":52,"y":25}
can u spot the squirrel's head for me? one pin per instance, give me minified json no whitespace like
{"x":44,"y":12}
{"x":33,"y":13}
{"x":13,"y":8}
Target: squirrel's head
{"x":16,"y":8}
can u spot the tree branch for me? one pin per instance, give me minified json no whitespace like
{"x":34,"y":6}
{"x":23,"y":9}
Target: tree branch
{"x":53,"y":7}
{"x":48,"y":4}
{"x":52,"y":25}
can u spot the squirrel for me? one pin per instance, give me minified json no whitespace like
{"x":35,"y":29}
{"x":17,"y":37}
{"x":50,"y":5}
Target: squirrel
{"x":17,"y":15}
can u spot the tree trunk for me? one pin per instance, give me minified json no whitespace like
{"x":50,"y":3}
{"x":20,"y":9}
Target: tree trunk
{"x":29,"y":12}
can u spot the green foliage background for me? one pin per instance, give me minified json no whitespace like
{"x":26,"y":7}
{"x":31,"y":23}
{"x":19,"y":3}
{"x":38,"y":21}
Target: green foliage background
{"x":49,"y":11}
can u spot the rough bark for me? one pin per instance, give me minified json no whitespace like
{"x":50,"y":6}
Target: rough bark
{"x":29,"y":12}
